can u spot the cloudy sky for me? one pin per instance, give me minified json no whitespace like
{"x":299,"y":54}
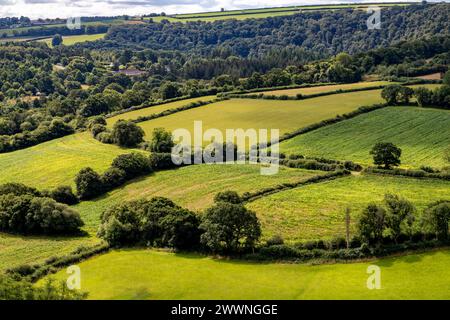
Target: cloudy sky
{"x":72,"y":8}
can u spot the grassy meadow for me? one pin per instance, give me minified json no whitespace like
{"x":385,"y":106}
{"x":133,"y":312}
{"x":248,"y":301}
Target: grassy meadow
{"x":155,"y":109}
{"x":57,"y":162}
{"x":268,"y":114}
{"x":422,"y":134}
{"x":71,"y":40}
{"x":193,"y":187}
{"x":326,"y":88}
{"x":317,"y":211}
{"x":16,"y":250}
{"x":146,"y":274}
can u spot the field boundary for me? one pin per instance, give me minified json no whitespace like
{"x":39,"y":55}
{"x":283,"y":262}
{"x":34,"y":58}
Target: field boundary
{"x":252,"y":196}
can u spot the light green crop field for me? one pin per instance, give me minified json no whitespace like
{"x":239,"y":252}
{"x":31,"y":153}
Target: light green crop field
{"x":57,"y":162}
{"x":265,"y":114}
{"x":71,"y":40}
{"x":422,"y":134}
{"x":193,"y":187}
{"x":317,"y":211}
{"x":16,"y":250}
{"x":326,"y":88}
{"x":146,"y":274}
{"x":155,"y":109}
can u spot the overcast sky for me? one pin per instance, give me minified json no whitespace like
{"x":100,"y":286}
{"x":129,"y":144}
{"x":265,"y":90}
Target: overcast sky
{"x":73,"y":8}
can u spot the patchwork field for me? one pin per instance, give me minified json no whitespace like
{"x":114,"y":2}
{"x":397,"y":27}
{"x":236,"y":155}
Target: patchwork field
{"x":422,"y":134}
{"x":268,"y":114}
{"x":71,"y":40}
{"x":326,"y":88}
{"x":145,"y":274}
{"x":318,"y":210}
{"x":193,"y":187}
{"x":18,"y":250}
{"x":57,"y":162}
{"x":156,"y":109}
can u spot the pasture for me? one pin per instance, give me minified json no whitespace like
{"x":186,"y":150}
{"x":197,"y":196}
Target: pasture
{"x":193,"y":187}
{"x":146,"y":274}
{"x":326,"y":88}
{"x":16,"y":250}
{"x":131,"y":115}
{"x":57,"y":162}
{"x":286,"y":116}
{"x":317,"y":211}
{"x":71,"y":40}
{"x":422,"y":134}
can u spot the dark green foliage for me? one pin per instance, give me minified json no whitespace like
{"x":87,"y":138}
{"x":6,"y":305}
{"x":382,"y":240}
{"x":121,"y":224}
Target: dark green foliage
{"x":27,"y":214}
{"x":371,"y":224}
{"x":113,"y":177}
{"x":386,"y":154}
{"x":133,"y":164}
{"x":161,"y":141}
{"x":437,"y":219}
{"x":127,"y":134}
{"x":229,"y":228}
{"x":57,"y":40}
{"x":399,"y":216}
{"x":23,"y":290}
{"x":64,"y":194}
{"x":396,"y":94}
{"x":157,"y":222}
{"x":18,"y":189}
{"x":89,"y":184}
{"x":228,"y":196}
{"x":161,"y":161}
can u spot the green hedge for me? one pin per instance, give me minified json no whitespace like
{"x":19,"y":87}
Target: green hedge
{"x":409,"y":173}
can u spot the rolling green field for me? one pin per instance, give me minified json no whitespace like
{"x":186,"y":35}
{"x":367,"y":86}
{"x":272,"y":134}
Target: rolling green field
{"x":327,"y":88}
{"x":71,"y":40}
{"x":57,"y":162}
{"x":16,"y":250}
{"x":317,"y":211}
{"x":145,"y":274}
{"x":262,"y":12}
{"x":155,"y":109}
{"x":422,"y":134}
{"x":265,"y":114}
{"x":193,"y":187}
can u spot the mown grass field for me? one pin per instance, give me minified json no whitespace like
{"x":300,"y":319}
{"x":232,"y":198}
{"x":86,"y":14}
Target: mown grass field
{"x":326,"y":88}
{"x":16,"y":250}
{"x":71,"y":40}
{"x":317,"y":211}
{"x":145,"y":274}
{"x":57,"y":162}
{"x":155,"y":109}
{"x":193,"y":187}
{"x":264,"y":114}
{"x":422,"y":134}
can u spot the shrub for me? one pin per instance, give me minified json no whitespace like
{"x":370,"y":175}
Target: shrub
{"x":127,"y":133}
{"x":105,"y":137}
{"x":89,"y":184}
{"x":161,"y":161}
{"x":98,"y":128}
{"x":371,"y":223}
{"x":133,"y":164}
{"x":229,"y":228}
{"x":113,"y":177}
{"x":18,"y":189}
{"x":161,"y":141}
{"x":275,"y":240}
{"x":64,"y":194}
{"x":436,"y":219}
{"x":33,"y":215}
{"x":228,"y":196}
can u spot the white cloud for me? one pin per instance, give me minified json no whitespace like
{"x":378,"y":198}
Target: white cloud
{"x":68,"y":8}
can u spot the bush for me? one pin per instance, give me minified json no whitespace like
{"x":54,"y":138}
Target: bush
{"x":98,"y":128}
{"x":228,"y":196}
{"x":157,"y":222}
{"x":437,"y":219}
{"x":133,"y":164}
{"x":275,"y":240}
{"x":89,"y":184}
{"x":161,"y":161}
{"x":18,"y":189}
{"x":105,"y":137}
{"x":229,"y":228}
{"x":127,"y":134}
{"x":161,"y":141}
{"x":113,"y":177}
{"x":27,"y":214}
{"x":64,"y":194}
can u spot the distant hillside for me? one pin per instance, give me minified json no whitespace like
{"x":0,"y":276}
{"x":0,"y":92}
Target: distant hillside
{"x":327,"y":32}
